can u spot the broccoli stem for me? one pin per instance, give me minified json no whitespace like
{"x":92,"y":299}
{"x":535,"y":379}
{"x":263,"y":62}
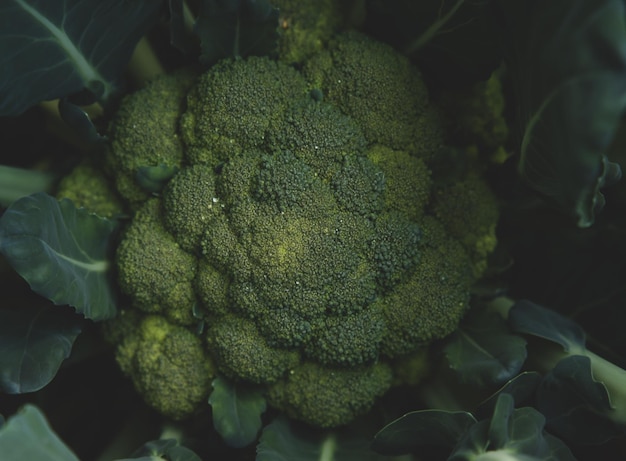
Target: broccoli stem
{"x":18,"y":182}
{"x":144,"y":64}
{"x":545,"y":355}
{"x":434,"y":28}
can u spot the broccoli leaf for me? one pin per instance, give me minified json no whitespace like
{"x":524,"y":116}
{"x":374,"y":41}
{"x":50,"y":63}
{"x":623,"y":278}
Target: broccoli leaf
{"x":283,"y":441}
{"x":515,"y":434}
{"x":165,"y":449}
{"x":34,"y":341}
{"x":237,"y":412}
{"x":452,"y":40}
{"x":569,"y":71}
{"x":49,"y":50}
{"x":27,"y":435}
{"x":532,"y":319}
{"x":484,"y":351}
{"x":61,"y":251}
{"x":236,"y":28}
{"x":575,"y":404}
{"x":522,"y":388}
{"x":422,"y":428}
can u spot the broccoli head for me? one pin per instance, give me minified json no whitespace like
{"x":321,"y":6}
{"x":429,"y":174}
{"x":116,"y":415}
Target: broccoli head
{"x":304,"y":230}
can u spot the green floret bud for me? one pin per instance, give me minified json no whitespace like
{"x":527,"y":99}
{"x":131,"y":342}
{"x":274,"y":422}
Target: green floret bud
{"x":396,"y":248}
{"x":359,"y":186}
{"x":144,"y":132}
{"x":288,"y":183}
{"x":407,"y":180}
{"x":329,"y":397}
{"x":305,"y":26}
{"x":468,"y":209}
{"x":375,"y":85}
{"x":167,"y":365}
{"x":318,"y":134}
{"x":152,"y":268}
{"x":235,"y":104}
{"x":242,"y":353}
{"x":430,"y":304}
{"x":89,"y":188}
{"x":212,"y":287}
{"x":189,"y":202}
{"x":347,"y":340}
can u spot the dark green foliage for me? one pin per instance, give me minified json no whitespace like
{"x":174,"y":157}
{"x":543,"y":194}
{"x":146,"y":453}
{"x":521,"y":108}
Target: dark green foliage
{"x":51,"y":50}
{"x":62,"y":252}
{"x":237,"y":410}
{"x":570,"y":93}
{"x":34,"y":341}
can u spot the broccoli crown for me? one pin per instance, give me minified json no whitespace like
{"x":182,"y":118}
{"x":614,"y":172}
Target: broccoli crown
{"x":301,"y":227}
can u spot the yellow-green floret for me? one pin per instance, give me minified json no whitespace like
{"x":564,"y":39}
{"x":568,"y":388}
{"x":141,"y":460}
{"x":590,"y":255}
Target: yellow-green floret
{"x":306,"y":234}
{"x":88,"y":187}
{"x":167,"y":364}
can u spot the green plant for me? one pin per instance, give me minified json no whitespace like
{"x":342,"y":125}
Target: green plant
{"x":279,"y":221}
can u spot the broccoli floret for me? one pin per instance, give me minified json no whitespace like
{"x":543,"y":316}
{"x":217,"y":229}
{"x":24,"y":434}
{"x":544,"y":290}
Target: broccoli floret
{"x":379,"y":88}
{"x":347,"y":340}
{"x":88,"y":187}
{"x":396,"y":248}
{"x":469,"y":212}
{"x":152,"y":268}
{"x":407,"y":180}
{"x":166,"y":363}
{"x":305,"y":26}
{"x":329,"y":397}
{"x":139,"y":138}
{"x":318,"y":134}
{"x":189,"y":201}
{"x":359,"y":186}
{"x":234,"y":105}
{"x":477,"y":116}
{"x":430,"y":304}
{"x":243,"y":353}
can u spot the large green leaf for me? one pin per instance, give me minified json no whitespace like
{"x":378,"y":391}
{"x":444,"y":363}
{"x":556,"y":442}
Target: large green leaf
{"x":575,"y":404}
{"x":61,"y":251}
{"x":34,"y":341}
{"x":27,"y":436}
{"x":422,"y":428}
{"x":568,"y":62}
{"x":511,"y":434}
{"x":237,"y":411}
{"x":50,"y":49}
{"x":484,"y":351}
{"x":532,"y":319}
{"x":163,"y":450}
{"x":285,"y":441}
